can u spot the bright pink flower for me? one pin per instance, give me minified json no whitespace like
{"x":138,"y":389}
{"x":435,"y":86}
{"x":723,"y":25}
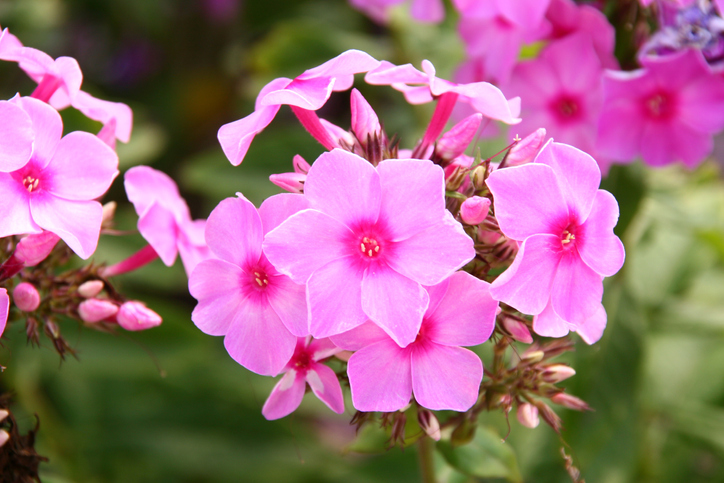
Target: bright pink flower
{"x":16,"y":137}
{"x":164,"y":219}
{"x":307,"y":92}
{"x":422,"y":10}
{"x":134,"y":315}
{"x":667,"y":111}
{"x":441,"y":374}
{"x":4,"y":309}
{"x":241,"y":295}
{"x":561,"y":90}
{"x":56,"y":190}
{"x":302,"y":369}
{"x":564,"y":225}
{"x":26,"y":297}
{"x":371,"y":240}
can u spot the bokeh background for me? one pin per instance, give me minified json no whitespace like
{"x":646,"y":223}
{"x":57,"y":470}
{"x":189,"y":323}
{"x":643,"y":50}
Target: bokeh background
{"x":169,"y":405}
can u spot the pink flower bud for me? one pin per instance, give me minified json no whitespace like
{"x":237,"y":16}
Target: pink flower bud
{"x":136,"y":316}
{"x":33,"y":249}
{"x":517,"y":330}
{"x":526,"y":149}
{"x":95,"y":310}
{"x":4,"y":437}
{"x":528,"y":415}
{"x":26,"y":297}
{"x":429,"y":423}
{"x":109,"y":211}
{"x":454,"y":142}
{"x":91,"y":288}
{"x":364,"y":119}
{"x":3,"y":414}
{"x":557,"y":373}
{"x":571,"y":402}
{"x":292,"y":182}
{"x":300,"y":165}
{"x":474,"y":210}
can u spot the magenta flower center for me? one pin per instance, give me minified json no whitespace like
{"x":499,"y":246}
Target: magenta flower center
{"x":302,"y":360}
{"x":260,"y":280}
{"x":566,"y":108}
{"x":30,"y":183}
{"x":660,"y":106}
{"x":369,"y":247}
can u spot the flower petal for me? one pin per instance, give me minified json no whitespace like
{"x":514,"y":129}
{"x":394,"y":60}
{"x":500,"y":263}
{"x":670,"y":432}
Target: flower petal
{"x":592,"y":328}
{"x":286,"y":396}
{"x":158,"y":228}
{"x":359,"y":337}
{"x":577,"y":290}
{"x":15,"y":217}
{"x":4,"y":309}
{"x":549,"y":324}
{"x":289,"y":301}
{"x":236,"y":137}
{"x":597,"y":245}
{"x":47,"y":125}
{"x":77,"y":223}
{"x":276,"y":209}
{"x":215,"y":284}
{"x":379,"y":377}
{"x":325,"y":386}
{"x":16,"y":137}
{"x":234,"y":232}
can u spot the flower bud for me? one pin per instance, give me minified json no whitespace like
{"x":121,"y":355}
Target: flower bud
{"x":478,"y":177}
{"x":26,"y":297}
{"x":549,"y":416}
{"x":429,"y":423}
{"x":91,"y":288}
{"x":33,"y":249}
{"x":454,"y":142}
{"x":532,"y":357}
{"x":517,"y":330}
{"x":4,"y":437}
{"x":364,"y":119}
{"x":571,"y":402}
{"x":136,"y":316}
{"x":528,"y":415}
{"x":474,"y":210}
{"x":95,"y":310}
{"x":526,"y":149}
{"x":300,"y":164}
{"x":3,"y":414}
{"x":455,"y":177}
{"x":109,"y":211}
{"x":292,"y":182}
{"x":557,"y":373}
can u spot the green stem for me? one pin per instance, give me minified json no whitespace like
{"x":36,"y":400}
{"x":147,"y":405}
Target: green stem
{"x":425,"y":448}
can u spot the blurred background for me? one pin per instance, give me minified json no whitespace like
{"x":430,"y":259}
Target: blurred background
{"x":169,"y":404}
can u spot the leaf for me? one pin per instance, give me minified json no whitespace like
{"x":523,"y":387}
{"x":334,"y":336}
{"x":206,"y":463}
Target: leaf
{"x":487,"y":456}
{"x":371,"y":439}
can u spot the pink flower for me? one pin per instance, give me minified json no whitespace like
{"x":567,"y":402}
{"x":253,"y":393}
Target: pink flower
{"x":307,"y":92}
{"x":241,"y":295}
{"x":302,"y":369}
{"x":371,"y":240}
{"x":564,"y":225}
{"x":440,"y":374}
{"x":561,"y":90}
{"x":164,"y":219}
{"x":422,"y":10}
{"x":16,"y":137}
{"x":134,"y":316}
{"x":667,"y":111}
{"x":4,"y":309}
{"x":56,"y":190}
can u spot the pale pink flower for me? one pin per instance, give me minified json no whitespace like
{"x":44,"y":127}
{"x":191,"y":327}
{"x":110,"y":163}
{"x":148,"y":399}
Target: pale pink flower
{"x":4,"y":309}
{"x":434,"y":368}
{"x":307,"y":92}
{"x":666,"y":112}
{"x":56,"y":190}
{"x":373,"y":237}
{"x":134,"y":316}
{"x":26,"y":297}
{"x":164,"y":219}
{"x":260,"y":311}
{"x":564,"y":225}
{"x":302,"y":369}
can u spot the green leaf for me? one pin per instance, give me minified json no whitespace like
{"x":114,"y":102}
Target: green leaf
{"x":487,"y":456}
{"x":371,"y":439}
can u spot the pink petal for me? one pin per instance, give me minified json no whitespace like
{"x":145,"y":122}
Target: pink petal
{"x":413,"y":194}
{"x":394,"y":302}
{"x":77,"y":223}
{"x":158,"y":228}
{"x":387,"y":74}
{"x":346,"y":63}
{"x":379,"y":377}
{"x":146,"y":186}
{"x":305,"y":242}
{"x":234,"y":232}
{"x":345,"y":187}
{"x":445,"y":377}
{"x":258,"y":340}
{"x":577,"y":173}
{"x":549,"y":324}
{"x":334,"y":294}
{"x":528,"y":201}
{"x":276,"y":209}
{"x":16,"y":137}
{"x":289,"y":301}
{"x":434,"y":254}
{"x":310,"y":94}
{"x":215,"y":284}
{"x":322,"y":349}
{"x":359,"y":337}
{"x":47,"y":125}
{"x":598,"y":246}
{"x":428,"y":10}
{"x":82,"y":168}
{"x":592,"y":328}
{"x":4,"y":308}
{"x":105,"y":112}
{"x":325,"y":386}
{"x":619,"y":129}
{"x":490,"y":101}
{"x":465,"y":316}
{"x":286,"y":396}
{"x":526,"y":284}
{"x":235,"y":137}
{"x":15,"y":217}
{"x":577,"y":290}
{"x":192,"y":246}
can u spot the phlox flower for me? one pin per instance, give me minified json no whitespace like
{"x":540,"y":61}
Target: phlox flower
{"x":372,"y":238}
{"x":564,"y":226}
{"x":57,"y":188}
{"x":434,"y":368}
{"x":302,"y":369}
{"x":308,"y":92}
{"x":164,"y":219}
{"x":666,"y":112}
{"x":260,"y":311}
{"x":4,"y":309}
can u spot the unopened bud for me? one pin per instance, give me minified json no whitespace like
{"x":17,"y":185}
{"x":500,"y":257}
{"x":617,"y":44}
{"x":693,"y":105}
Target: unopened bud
{"x":517,"y":330}
{"x":33,"y":249}
{"x":454,"y":142}
{"x":292,"y":182}
{"x":109,"y":211}
{"x":526,"y":149}
{"x":571,"y":402}
{"x":365,"y":122}
{"x":557,"y":373}
{"x":549,"y":416}
{"x":474,"y":210}
{"x":136,"y":316}
{"x":91,"y":288}
{"x":26,"y":297}
{"x":95,"y":310}
{"x":429,"y":423}
{"x":528,"y":415}
{"x":478,"y":177}
{"x":532,"y":357}
{"x":51,"y":329}
{"x":4,"y":437}
{"x":455,"y":178}
{"x":3,"y":414}
{"x":300,"y":164}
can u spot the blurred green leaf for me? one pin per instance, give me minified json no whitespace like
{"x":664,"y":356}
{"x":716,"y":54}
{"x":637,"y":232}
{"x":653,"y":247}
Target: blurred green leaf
{"x":487,"y":456}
